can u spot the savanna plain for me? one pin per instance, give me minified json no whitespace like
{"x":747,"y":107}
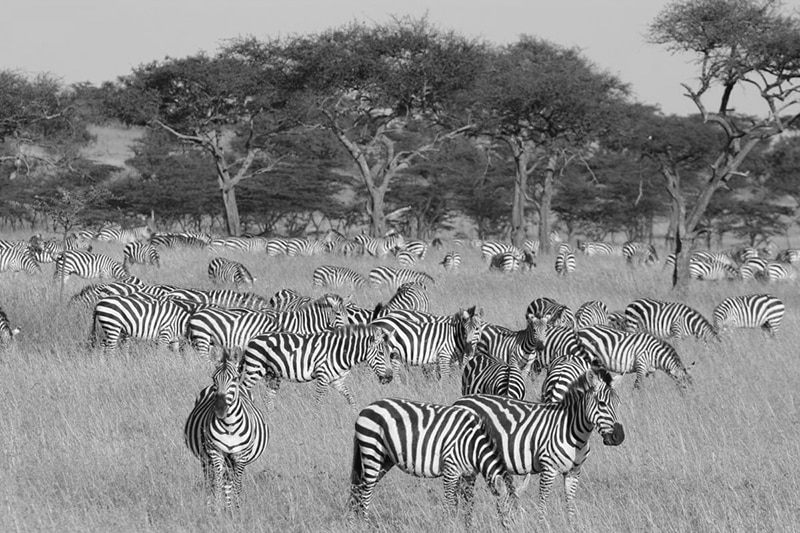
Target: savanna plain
{"x":95,"y":443}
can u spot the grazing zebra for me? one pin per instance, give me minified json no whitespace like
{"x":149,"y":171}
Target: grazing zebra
{"x":221,"y":298}
{"x":505,"y":262}
{"x":17,"y":259}
{"x":490,"y":249}
{"x":221,"y":270}
{"x":89,"y":295}
{"x":379,"y":246}
{"x":406,"y":258}
{"x":394,"y":277}
{"x":142,"y":233}
{"x":599,"y":248}
{"x":790,"y":255}
{"x":6,"y":331}
{"x":753,"y":268}
{"x":411,"y":296}
{"x":639,"y":253}
{"x":667,"y":320}
{"x":276,"y":246}
{"x":288,"y":300}
{"x":555,"y":313}
{"x":559,"y":342}
{"x":142,"y":253}
{"x":422,"y":339}
{"x":565,"y":261}
{"x":88,"y":265}
{"x":531,"y":245}
{"x":226,"y":431}
{"x":622,"y":353}
{"x":780,"y":272}
{"x":752,"y":311}
{"x":451,"y":261}
{"x":427,"y":440}
{"x":591,"y":313}
{"x":238,"y":244}
{"x":551,"y":438}
{"x":336,"y":276}
{"x":417,"y":248}
{"x":175,"y":240}
{"x":712,"y":271}
{"x":305,"y":247}
{"x":326,"y":357}
{"x":518,"y":348}
{"x":138,"y":316}
{"x":484,"y":374}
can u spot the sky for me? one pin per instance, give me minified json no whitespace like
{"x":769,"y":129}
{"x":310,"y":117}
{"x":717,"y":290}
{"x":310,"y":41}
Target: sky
{"x":99,"y":40}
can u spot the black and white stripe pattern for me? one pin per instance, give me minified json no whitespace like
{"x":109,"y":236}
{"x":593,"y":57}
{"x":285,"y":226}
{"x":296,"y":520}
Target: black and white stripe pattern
{"x":221,"y":298}
{"x":88,"y":265}
{"x":484,"y":374}
{"x":226,"y":431}
{"x":411,"y":296}
{"x":140,"y":253}
{"x":490,"y":249}
{"x":639,"y":253}
{"x":379,"y":246}
{"x":238,"y":244}
{"x":7,"y":332}
{"x":565,"y":260}
{"x":505,"y":262}
{"x":559,"y":342}
{"x":180,"y":240}
{"x":138,"y":316}
{"x":18,"y":260}
{"x":406,"y":258}
{"x":336,"y":276}
{"x":622,"y":353}
{"x":451,"y":261}
{"x":394,"y":277}
{"x":90,"y":294}
{"x":554,"y":313}
{"x":593,"y":248}
{"x":751,"y":311}
{"x":288,"y":300}
{"x":305,"y":247}
{"x":667,"y":320}
{"x":551,"y":439}
{"x":518,"y":348}
{"x":426,"y":440}
{"x":591,"y":313}
{"x":108,"y":234}
{"x":225,"y":271}
{"x":561,"y":374}
{"x":326,"y":357}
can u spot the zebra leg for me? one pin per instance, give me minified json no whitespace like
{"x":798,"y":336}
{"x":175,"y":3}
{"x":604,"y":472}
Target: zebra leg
{"x":545,"y":486}
{"x":338,"y":384}
{"x":273,"y":383}
{"x":641,"y":373}
{"x":571,"y":479}
{"x":217,"y":477}
{"x":443,"y":366}
{"x":451,"y":487}
{"x":236,"y":482}
{"x":466,"y":490}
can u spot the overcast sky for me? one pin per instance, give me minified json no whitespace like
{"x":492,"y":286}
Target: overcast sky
{"x":98,"y":40}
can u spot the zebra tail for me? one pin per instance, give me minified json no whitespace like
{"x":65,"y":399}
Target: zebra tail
{"x":93,"y":332}
{"x":356,"y":478}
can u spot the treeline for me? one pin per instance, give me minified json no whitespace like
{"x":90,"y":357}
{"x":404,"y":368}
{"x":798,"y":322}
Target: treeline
{"x":410,"y":126}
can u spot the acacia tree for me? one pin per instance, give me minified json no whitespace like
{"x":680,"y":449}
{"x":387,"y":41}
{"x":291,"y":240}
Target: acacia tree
{"x":547,"y":104}
{"x":220,"y":104}
{"x":736,"y":44}
{"x":382,"y":91}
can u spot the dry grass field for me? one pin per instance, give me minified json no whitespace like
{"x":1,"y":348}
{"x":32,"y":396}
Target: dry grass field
{"x":93,"y":443}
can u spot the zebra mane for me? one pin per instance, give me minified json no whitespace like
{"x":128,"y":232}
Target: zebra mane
{"x":583,"y":384}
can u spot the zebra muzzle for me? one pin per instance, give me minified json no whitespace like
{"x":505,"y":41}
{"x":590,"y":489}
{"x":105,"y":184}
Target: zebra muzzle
{"x":616,"y":437}
{"x":220,"y":406}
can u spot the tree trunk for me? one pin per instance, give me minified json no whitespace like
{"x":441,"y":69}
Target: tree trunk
{"x":545,"y":203}
{"x":231,"y":212}
{"x":377,"y":212}
{"x":518,"y":213}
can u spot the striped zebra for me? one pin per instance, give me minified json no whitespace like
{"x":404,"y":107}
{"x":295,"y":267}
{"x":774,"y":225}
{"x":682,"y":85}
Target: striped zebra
{"x":288,"y":300}
{"x":505,"y":262}
{"x":559,"y":342}
{"x":276,"y":246}
{"x":18,"y":260}
{"x":90,"y":294}
{"x":591,"y":313}
{"x":326,"y":358}
{"x":753,"y":268}
{"x":593,"y":248}
{"x":394,"y":277}
{"x":518,"y":348}
{"x":639,"y":253}
{"x":704,"y":256}
{"x":221,"y":298}
{"x":411,"y":296}
{"x":226,"y":431}
{"x":180,"y":240}
{"x":531,"y":245}
{"x":224,"y":271}
{"x":238,"y":244}
{"x":305,"y":247}
{"x":715,"y":271}
{"x":417,"y":248}
{"x":780,"y":272}
{"x":622,"y":353}
{"x":451,"y":261}
{"x":138,"y":316}
{"x":88,"y":265}
{"x":667,"y":320}
{"x":108,"y":234}
{"x":427,"y":440}
{"x":555,"y":313}
{"x":484,"y":374}
{"x":565,"y":261}
{"x":379,"y":246}
{"x":336,"y":276}
{"x":618,"y":320}
{"x":790,"y":255}
{"x":406,"y":258}
{"x":489,"y":249}
{"x":141,"y":253}
{"x":562,"y":372}
{"x":751,"y":311}
{"x":551,"y":438}
{"x":7,"y":332}
{"x":419,"y":339}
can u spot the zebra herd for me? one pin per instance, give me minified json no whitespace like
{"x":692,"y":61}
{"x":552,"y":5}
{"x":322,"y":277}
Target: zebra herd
{"x":491,"y":431}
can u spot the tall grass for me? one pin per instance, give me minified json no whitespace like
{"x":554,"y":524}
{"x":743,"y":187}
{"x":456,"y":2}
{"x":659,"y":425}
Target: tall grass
{"x":95,"y":443}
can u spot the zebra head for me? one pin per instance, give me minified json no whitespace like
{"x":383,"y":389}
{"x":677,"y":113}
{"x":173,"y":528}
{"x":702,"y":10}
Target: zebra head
{"x":469,"y":327}
{"x":379,"y":354}
{"x":227,"y":380}
{"x":537,"y":326}
{"x":600,"y":403}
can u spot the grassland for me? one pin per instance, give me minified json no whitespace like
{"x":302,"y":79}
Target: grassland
{"x":95,"y":443}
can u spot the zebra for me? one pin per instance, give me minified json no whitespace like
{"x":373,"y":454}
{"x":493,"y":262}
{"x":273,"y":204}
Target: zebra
{"x":406,"y":258}
{"x":427,"y":440}
{"x":559,"y":342}
{"x":221,"y":298}
{"x":505,"y":262}
{"x":565,"y":261}
{"x":753,"y":268}
{"x":138,"y":316}
{"x":593,"y":312}
{"x":422,"y":339}
{"x":276,"y":246}
{"x":142,"y":233}
{"x":639,"y":253}
{"x":555,"y":313}
{"x":226,"y":431}
{"x":90,"y":294}
{"x":305,"y":247}
{"x":490,"y":249}
{"x":451,"y":261}
{"x":551,"y":438}
{"x":238,"y":244}
{"x":621,"y":353}
{"x":562,"y":372}
{"x":18,"y":260}
{"x":531,"y":245}
{"x":143,"y":253}
{"x":780,"y":272}
{"x":599,"y":248}
{"x":790,"y":255}
{"x":336,"y":276}
{"x":667,"y":320}
{"x":221,"y":270}
{"x":518,"y":348}
{"x":618,"y":320}
{"x":410,"y":295}
{"x":88,"y":265}
{"x":288,"y":300}
{"x":7,"y":332}
{"x":714,"y":271}
{"x":417,"y":248}
{"x":379,"y":246}
{"x":325,"y":357}
{"x":484,"y":374}
{"x":394,"y":277}
{"x":176,"y":240}
{"x":751,"y":311}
